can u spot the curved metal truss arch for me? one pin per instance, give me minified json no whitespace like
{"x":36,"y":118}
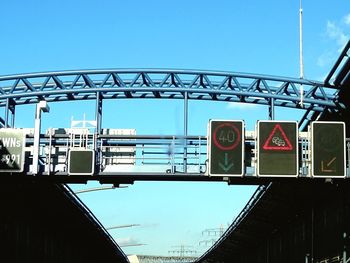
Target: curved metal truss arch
{"x":168,"y":84}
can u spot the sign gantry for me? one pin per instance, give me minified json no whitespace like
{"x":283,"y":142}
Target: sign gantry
{"x":228,"y":153}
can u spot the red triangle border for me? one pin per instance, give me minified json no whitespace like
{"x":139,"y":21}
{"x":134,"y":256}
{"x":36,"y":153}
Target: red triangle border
{"x":288,"y":147}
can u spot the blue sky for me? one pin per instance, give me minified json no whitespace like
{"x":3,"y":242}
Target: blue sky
{"x":241,"y":36}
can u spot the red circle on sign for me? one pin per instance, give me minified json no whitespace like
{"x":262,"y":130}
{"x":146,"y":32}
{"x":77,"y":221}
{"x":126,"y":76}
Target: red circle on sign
{"x":230,"y":147}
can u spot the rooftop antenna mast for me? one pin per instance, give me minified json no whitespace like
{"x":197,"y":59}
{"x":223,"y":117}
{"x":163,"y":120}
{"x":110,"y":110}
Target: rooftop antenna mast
{"x":301,"y":53}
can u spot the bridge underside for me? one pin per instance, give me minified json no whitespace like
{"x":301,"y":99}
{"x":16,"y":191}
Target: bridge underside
{"x":291,"y":222}
{"x":44,"y":222}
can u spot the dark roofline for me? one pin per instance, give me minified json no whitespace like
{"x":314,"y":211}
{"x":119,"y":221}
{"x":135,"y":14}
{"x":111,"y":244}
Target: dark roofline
{"x":93,"y":220}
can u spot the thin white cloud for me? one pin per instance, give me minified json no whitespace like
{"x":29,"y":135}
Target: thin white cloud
{"x":126,"y":241}
{"x":336,"y":33}
{"x":347,"y":19}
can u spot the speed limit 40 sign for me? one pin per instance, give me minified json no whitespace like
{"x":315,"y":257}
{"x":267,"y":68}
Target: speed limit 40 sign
{"x":226,"y":148}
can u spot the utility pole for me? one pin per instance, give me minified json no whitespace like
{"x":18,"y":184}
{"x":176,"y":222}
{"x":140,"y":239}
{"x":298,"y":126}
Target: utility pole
{"x":215,"y":233}
{"x":301,"y":60}
{"x":182,"y":251}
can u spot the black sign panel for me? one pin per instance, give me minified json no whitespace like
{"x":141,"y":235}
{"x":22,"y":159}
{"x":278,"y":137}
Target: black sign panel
{"x":328,"y":149}
{"x":12,"y":143}
{"x":277,"y":149}
{"x":81,"y":162}
{"x":226,"y":148}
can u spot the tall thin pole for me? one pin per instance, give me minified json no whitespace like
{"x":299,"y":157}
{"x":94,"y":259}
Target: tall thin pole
{"x":36,"y":144}
{"x":301,"y":40}
{"x":272,"y":109}
{"x":185,"y":131}
{"x":301,"y":53}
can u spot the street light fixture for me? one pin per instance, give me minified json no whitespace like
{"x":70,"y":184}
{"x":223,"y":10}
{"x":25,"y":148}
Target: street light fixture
{"x":132,"y":245}
{"x":41,"y":106}
{"x":97,"y":189}
{"x":122,"y":226}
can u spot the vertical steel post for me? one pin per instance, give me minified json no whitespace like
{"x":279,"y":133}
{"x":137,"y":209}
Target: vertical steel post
{"x":10,"y":108}
{"x":7,"y":109}
{"x":172,"y":152}
{"x":185,"y":130}
{"x":98,"y":113}
{"x":13,"y":111}
{"x":98,"y":117}
{"x":50,"y":150}
{"x":272,"y":109}
{"x":199,"y":154}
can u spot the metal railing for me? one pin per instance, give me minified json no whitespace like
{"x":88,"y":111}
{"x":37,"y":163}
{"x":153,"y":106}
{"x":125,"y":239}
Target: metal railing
{"x":165,"y":154}
{"x":120,"y":153}
{"x":146,"y":154}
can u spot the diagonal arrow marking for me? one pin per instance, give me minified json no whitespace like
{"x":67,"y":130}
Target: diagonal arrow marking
{"x":331,"y":161}
{"x":327,"y":169}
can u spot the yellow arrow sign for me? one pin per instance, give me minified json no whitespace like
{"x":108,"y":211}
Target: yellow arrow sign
{"x":326,"y":168}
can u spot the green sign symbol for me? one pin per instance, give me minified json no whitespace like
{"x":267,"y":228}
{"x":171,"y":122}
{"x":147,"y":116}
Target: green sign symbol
{"x":226,"y":166}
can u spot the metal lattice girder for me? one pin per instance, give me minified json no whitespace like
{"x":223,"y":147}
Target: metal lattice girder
{"x":171,"y":84}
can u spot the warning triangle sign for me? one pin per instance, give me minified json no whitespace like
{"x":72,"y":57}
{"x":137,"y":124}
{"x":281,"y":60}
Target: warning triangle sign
{"x":278,"y":140}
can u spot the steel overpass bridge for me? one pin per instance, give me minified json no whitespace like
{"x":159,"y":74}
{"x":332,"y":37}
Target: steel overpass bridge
{"x":176,"y":157}
{"x":124,"y":158}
